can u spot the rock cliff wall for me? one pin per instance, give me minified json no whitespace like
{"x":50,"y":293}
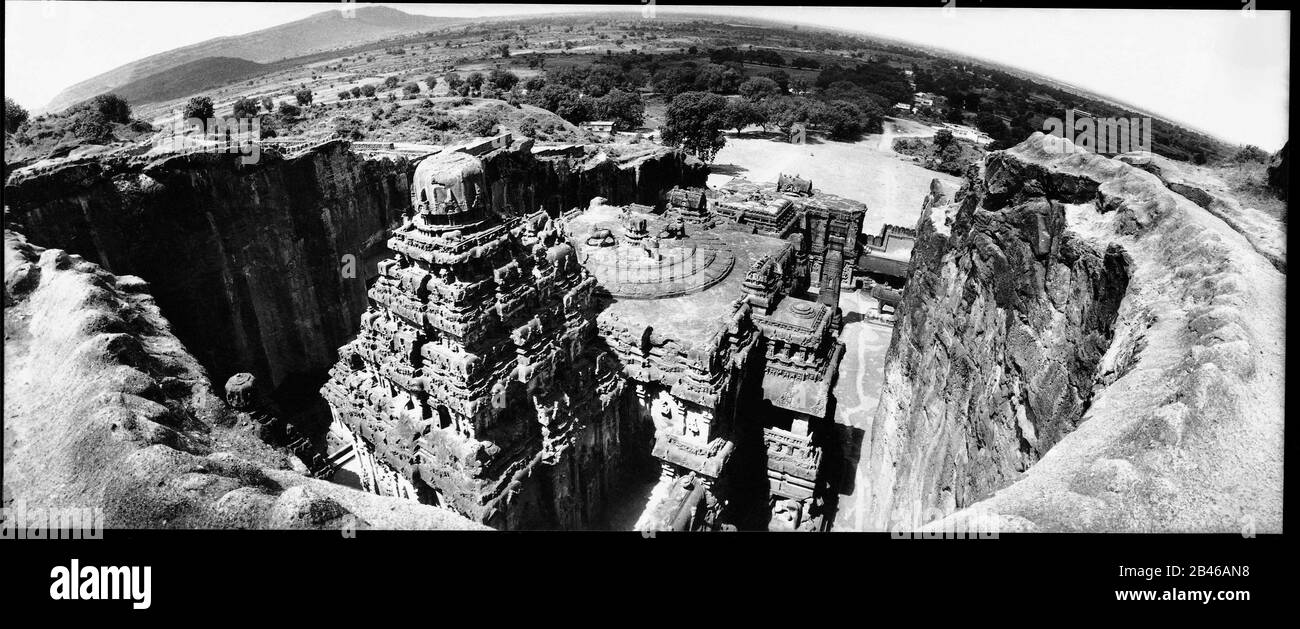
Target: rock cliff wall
{"x":1081,"y":348}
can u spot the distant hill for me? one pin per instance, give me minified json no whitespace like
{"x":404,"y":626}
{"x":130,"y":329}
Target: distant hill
{"x":189,"y":78}
{"x":323,"y":31}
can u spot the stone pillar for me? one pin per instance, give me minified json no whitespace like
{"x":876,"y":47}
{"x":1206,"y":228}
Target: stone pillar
{"x":829,"y":291}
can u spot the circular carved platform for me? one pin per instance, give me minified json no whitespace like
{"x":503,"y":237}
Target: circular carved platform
{"x":657,"y":270}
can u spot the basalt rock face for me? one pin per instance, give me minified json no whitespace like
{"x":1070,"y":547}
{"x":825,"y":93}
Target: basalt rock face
{"x":1081,"y":349}
{"x":249,"y":262}
{"x":1003,"y":322}
{"x":245,"y":260}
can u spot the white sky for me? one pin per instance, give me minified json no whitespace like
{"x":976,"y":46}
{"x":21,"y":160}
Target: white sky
{"x":1226,"y":72}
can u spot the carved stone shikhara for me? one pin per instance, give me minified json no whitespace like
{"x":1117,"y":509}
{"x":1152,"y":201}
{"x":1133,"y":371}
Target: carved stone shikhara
{"x":511,"y":364}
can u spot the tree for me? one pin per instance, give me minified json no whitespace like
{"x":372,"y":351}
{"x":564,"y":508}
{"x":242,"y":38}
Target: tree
{"x":355,"y":91}
{"x":268,"y":103}
{"x":693,"y":121}
{"x":289,"y":110}
{"x":245,"y":108}
{"x":625,"y":109}
{"x":454,"y":82}
{"x":805,"y":62}
{"x":15,"y":115}
{"x":574,"y":108}
{"x":367,"y":90}
{"x":843,"y":120}
{"x":1250,"y":153}
{"x":673,"y":81}
{"x":996,"y":128}
{"x":502,"y":79}
{"x":303,"y":96}
{"x":873,"y":115}
{"x":411,"y":89}
{"x":199,"y":107}
{"x":942,"y":138}
{"x":474,"y":81}
{"x":503,"y":50}
{"x":534,"y":83}
{"x":431,"y":81}
{"x":600,"y":80}
{"x":558,"y":99}
{"x":780,"y":77}
{"x":114,"y":108}
{"x":718,"y":79}
{"x":741,"y":113}
{"x":757,"y":88}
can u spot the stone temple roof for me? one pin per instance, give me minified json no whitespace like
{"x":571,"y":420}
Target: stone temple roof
{"x":691,"y":317}
{"x":450,"y":176}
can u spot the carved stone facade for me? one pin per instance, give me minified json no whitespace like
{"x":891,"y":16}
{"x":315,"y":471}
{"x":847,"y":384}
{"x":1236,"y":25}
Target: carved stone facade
{"x":475,"y":381}
{"x":791,"y":208}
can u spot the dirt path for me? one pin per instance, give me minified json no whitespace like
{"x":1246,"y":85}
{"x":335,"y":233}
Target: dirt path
{"x":895,"y":128}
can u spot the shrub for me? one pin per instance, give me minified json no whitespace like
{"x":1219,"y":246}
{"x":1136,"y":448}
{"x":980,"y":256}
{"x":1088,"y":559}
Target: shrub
{"x":483,"y":124}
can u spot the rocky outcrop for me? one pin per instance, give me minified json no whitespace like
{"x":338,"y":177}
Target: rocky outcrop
{"x":1081,"y":349}
{"x":104,"y":408}
{"x":1004,"y":320}
{"x":1261,"y":230}
{"x":263,"y":268}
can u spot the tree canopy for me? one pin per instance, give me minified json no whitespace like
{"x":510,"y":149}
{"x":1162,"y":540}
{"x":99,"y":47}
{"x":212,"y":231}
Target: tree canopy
{"x":693,"y":122}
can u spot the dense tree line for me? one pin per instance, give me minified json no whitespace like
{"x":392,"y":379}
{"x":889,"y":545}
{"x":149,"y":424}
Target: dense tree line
{"x":1016,"y":107}
{"x":753,"y":55}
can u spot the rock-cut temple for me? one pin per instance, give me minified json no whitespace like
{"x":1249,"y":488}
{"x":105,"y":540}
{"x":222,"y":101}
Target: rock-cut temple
{"x":531,"y":371}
